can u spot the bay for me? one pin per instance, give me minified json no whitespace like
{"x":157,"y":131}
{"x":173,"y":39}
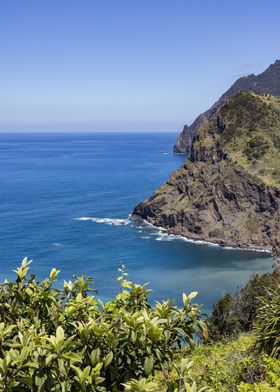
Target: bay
{"x":65,"y":199}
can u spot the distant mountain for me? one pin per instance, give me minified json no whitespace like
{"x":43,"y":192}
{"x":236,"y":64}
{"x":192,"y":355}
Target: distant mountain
{"x":228,"y":192}
{"x":266,"y":82}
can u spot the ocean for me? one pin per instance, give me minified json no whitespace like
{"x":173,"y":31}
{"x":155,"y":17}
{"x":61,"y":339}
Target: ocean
{"x":65,"y":201}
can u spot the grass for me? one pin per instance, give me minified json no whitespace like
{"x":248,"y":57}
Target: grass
{"x":229,"y":366}
{"x":248,"y":126}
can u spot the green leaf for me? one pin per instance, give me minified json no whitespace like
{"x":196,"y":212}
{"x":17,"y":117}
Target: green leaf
{"x":148,"y":365}
{"x":59,"y":334}
{"x":73,"y":357}
{"x":185,"y":365}
{"x":108,"y":359}
{"x":54,"y":273}
{"x":192,"y":295}
{"x":94,"y":356}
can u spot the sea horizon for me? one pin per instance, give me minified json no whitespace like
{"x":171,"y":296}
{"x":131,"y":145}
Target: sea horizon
{"x":65,"y":203}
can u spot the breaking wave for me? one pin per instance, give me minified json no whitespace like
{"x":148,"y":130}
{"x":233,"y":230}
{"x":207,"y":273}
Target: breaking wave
{"x":161,"y":234}
{"x":107,"y":221}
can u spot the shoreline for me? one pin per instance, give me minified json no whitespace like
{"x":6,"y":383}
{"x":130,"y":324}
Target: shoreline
{"x":198,"y":241}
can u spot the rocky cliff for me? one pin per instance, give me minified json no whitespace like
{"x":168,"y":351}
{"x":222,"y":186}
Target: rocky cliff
{"x":266,"y":82}
{"x":228,"y":192}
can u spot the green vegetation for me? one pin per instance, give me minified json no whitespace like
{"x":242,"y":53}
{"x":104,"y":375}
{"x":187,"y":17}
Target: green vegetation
{"x":236,"y":313}
{"x":229,"y":366}
{"x":228,"y":190}
{"x":268,"y":82}
{"x":69,"y":340}
{"x":267,"y":323}
{"x":235,"y":360}
{"x":248,"y":127}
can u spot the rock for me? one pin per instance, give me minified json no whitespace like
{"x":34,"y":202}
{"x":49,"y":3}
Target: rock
{"x":266,"y":82}
{"x":228,"y":192}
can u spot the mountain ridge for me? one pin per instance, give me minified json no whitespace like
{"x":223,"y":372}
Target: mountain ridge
{"x":228,"y":192}
{"x":266,"y":82}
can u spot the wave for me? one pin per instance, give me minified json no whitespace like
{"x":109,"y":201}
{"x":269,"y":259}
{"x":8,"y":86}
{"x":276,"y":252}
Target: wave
{"x":107,"y":221}
{"x":170,"y":237}
{"x":162,"y":235}
{"x":56,"y":244}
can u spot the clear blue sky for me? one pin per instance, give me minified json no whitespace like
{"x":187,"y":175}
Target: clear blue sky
{"x":111,"y":65}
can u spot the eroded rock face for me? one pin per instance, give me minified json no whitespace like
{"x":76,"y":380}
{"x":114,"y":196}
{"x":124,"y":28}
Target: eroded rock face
{"x":220,"y":204}
{"x":218,"y":195}
{"x":266,"y":82}
{"x":184,"y":140}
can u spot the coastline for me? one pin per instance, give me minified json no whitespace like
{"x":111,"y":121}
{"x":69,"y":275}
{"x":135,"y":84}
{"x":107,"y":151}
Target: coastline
{"x":201,"y":241}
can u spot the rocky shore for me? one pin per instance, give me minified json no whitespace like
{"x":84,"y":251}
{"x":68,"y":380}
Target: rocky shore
{"x":228,"y":191}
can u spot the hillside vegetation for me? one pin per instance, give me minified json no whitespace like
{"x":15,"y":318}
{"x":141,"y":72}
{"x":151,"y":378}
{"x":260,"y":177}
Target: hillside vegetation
{"x":228,"y":192}
{"x":236,"y":313}
{"x":267,"y":82}
{"x":249,"y":134}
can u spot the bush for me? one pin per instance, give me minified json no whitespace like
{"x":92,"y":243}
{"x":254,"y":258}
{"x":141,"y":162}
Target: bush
{"x":257,"y":146}
{"x":69,"y":340}
{"x":235,"y":313}
{"x":267,"y":323}
{"x":227,"y":366}
{"x":223,"y":365}
{"x":271,"y":382}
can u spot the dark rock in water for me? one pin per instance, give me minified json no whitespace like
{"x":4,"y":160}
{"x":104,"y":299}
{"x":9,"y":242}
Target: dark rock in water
{"x":228,"y":192}
{"x":266,"y":82}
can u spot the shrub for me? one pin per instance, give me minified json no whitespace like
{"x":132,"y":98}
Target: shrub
{"x":69,"y":340}
{"x":235,"y":313}
{"x":267,"y":323}
{"x":226,"y":366}
{"x":257,"y":146}
{"x":272,"y":378}
{"x":177,"y":382}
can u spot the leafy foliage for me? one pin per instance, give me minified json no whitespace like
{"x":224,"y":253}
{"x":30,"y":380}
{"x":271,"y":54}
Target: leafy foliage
{"x":235,"y":313}
{"x":267,"y":323}
{"x":69,"y":340}
{"x":176,"y":382}
{"x":227,"y":366}
{"x":248,"y":126}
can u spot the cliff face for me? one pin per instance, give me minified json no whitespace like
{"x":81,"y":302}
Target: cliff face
{"x":266,"y":82}
{"x":229,"y":190}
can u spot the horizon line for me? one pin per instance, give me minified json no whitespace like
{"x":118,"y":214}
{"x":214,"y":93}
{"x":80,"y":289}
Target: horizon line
{"x":85,"y":131}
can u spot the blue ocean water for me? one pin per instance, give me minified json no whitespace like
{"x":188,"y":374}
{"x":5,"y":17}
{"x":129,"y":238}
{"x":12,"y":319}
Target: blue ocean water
{"x":65,"y":200}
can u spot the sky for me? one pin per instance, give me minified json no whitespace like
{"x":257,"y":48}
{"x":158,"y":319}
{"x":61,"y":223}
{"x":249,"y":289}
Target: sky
{"x":126,"y":65}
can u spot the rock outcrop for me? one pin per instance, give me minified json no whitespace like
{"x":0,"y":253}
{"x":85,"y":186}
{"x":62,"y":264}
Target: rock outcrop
{"x":228,"y":192}
{"x":266,"y":82}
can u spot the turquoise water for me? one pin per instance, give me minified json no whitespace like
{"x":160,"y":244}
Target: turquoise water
{"x":65,"y":200}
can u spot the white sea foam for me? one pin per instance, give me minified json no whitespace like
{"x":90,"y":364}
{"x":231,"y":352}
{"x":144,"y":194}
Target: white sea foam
{"x":107,"y":221}
{"x":56,"y":244}
{"x":162,"y":235}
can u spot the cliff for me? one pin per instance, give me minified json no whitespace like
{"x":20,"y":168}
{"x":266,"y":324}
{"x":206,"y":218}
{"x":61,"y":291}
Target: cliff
{"x":228,"y":192}
{"x":266,"y":82}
